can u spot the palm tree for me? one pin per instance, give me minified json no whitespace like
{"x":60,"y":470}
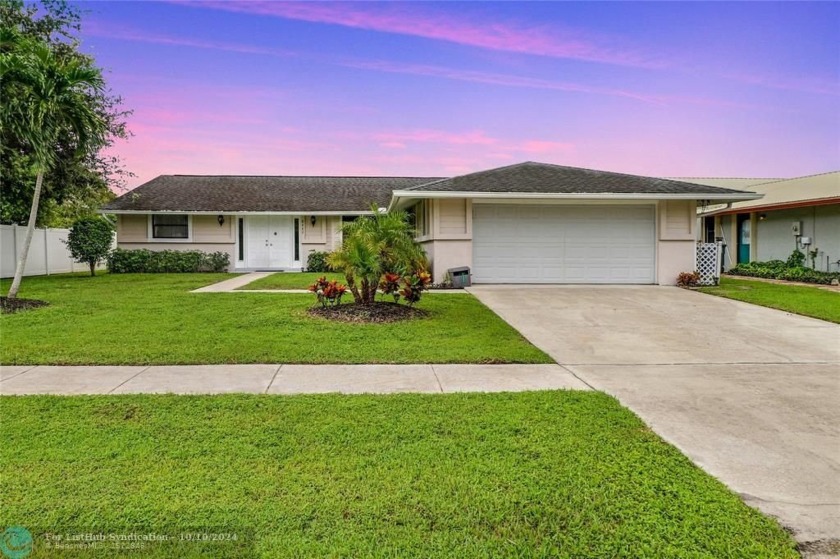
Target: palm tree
{"x":48,"y":100}
{"x":375,"y":245}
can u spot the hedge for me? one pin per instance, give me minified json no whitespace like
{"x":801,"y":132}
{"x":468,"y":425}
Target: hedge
{"x":780,"y":270}
{"x":143,"y":261}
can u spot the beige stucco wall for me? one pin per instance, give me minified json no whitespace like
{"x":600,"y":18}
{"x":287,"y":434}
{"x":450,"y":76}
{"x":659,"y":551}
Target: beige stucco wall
{"x":673,"y":257}
{"x":324,"y":236}
{"x":677,"y":220}
{"x":448,"y":242}
{"x":203,"y":228}
{"x":445,"y":254}
{"x":132,"y":228}
{"x":206,"y":229}
{"x":676,"y":243}
{"x":450,"y":218}
{"x":207,"y":235}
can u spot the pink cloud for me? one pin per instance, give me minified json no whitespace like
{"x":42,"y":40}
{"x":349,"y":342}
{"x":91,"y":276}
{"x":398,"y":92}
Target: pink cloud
{"x":399,"y":18}
{"x":122,"y":33}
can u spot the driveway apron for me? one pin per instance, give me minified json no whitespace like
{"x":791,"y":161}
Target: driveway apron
{"x":750,"y":394}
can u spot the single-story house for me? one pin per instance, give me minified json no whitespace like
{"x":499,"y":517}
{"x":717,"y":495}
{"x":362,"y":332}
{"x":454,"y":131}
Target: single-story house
{"x":524,"y":223}
{"x":800,"y":213}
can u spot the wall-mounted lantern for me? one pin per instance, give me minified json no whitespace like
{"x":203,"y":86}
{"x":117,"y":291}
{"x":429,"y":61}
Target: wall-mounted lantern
{"x":221,"y":220}
{"x":313,"y":220}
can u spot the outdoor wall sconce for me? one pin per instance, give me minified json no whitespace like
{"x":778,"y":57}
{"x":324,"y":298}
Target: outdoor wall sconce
{"x":221,"y":220}
{"x":762,"y":217}
{"x":313,"y":220}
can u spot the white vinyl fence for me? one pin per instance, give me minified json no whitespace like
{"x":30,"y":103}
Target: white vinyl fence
{"x":47,"y":253}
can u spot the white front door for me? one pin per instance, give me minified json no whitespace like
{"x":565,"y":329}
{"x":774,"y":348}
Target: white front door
{"x":270,"y":243}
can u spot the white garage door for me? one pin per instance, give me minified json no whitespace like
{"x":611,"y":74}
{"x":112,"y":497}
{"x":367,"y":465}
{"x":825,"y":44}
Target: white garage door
{"x":563,"y":244}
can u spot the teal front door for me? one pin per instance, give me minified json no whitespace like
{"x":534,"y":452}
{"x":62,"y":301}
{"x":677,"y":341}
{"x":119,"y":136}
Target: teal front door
{"x":743,"y":239}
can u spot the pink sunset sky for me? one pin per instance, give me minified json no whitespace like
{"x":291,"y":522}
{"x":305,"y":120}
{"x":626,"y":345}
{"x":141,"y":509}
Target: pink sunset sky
{"x":662,"y":89}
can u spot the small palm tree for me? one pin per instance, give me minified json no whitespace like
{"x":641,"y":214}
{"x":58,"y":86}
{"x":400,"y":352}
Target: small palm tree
{"x":48,"y":100}
{"x":373,"y":246}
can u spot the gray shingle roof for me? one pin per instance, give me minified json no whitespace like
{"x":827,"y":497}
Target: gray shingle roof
{"x":545,"y":178}
{"x":204,"y":193}
{"x":198,"y":193}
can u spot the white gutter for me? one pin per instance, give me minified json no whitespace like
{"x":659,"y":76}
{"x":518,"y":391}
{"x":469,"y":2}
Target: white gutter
{"x":229,"y":212}
{"x":575,"y":196}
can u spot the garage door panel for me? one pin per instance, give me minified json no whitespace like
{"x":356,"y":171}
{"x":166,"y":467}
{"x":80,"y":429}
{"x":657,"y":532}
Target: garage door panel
{"x":563,"y":244}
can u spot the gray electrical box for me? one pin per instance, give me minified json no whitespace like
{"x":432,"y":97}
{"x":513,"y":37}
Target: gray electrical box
{"x":460,"y":277}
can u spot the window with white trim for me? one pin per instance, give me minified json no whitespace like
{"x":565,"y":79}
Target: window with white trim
{"x":170,"y":227}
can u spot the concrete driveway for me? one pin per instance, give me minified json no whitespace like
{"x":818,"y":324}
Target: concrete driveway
{"x":752,"y":395}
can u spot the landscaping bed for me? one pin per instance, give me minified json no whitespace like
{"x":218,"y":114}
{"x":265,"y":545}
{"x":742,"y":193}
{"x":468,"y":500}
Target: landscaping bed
{"x":810,"y":301}
{"x":9,"y":306}
{"x":153,"y":319}
{"x":379,"y":312}
{"x":535,"y":474}
{"x":790,"y":270}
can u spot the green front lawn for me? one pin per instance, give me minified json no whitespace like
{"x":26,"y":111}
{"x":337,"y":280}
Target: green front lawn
{"x":799,"y":299}
{"x":540,"y":474}
{"x":153,"y":319}
{"x":291,"y":280}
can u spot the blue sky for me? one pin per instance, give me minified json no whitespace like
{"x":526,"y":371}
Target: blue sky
{"x":669,"y":89}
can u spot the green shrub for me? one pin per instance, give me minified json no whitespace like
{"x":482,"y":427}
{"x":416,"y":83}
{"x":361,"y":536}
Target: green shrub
{"x":90,"y":240}
{"x":777,"y":269}
{"x":143,"y":261}
{"x":317,"y":262}
{"x":796,"y":259}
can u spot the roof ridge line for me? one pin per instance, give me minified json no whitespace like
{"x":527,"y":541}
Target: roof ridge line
{"x":306,"y":176}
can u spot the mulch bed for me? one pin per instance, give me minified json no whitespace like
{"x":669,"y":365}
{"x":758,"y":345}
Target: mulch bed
{"x":378,"y":312}
{"x":10,"y":306}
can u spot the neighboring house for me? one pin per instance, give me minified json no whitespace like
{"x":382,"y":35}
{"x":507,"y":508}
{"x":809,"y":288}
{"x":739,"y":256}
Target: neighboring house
{"x":524,"y":223}
{"x":800,"y":213}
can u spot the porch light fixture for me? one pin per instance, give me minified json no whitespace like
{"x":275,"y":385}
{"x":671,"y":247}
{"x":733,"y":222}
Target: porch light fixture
{"x":221,"y":220}
{"x":762,"y":217}
{"x":312,"y":220}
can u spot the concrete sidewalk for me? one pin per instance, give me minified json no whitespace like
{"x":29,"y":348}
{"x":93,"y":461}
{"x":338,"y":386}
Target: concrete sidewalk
{"x":284,"y":379}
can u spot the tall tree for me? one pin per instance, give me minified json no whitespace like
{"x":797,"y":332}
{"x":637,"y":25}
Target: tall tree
{"x":50,"y":100}
{"x":78,"y":182}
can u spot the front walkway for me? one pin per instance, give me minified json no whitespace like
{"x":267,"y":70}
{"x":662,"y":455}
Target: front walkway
{"x":283,"y":379}
{"x":233,"y":283}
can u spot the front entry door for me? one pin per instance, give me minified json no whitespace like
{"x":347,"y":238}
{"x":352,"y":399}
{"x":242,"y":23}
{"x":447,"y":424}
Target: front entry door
{"x":270,"y":242}
{"x":743,"y":239}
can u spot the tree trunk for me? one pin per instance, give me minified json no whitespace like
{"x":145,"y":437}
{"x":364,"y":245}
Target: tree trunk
{"x":351,"y":283}
{"x":30,"y":230}
{"x":365,"y":291}
{"x":92,"y":267}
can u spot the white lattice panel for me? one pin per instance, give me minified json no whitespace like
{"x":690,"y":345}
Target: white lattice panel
{"x":708,"y":263}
